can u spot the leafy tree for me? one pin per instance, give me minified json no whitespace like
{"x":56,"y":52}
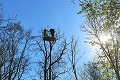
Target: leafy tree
{"x":103,"y":20}
{"x":108,"y":50}
{"x":107,"y":9}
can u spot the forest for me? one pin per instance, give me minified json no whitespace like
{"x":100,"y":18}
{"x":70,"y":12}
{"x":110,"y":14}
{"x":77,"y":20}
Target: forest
{"x":58,"y":58}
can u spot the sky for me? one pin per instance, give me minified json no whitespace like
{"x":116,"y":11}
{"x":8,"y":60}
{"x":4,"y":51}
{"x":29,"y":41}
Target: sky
{"x":37,"y":14}
{"x":45,"y":13}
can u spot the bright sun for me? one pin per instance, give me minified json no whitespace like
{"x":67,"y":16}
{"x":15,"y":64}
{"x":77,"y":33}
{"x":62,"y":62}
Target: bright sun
{"x":104,"y":38}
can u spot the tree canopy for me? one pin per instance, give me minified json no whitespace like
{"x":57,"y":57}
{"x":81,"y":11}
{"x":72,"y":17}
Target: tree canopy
{"x":103,"y":20}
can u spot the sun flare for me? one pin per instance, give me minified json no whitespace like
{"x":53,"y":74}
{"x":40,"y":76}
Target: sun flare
{"x":104,"y":38}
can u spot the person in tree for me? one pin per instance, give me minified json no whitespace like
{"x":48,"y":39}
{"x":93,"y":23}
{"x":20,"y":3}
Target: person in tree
{"x":45,"y":33}
{"x":52,"y":31}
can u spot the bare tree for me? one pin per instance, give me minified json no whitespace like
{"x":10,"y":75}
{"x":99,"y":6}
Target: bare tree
{"x":14,"y":43}
{"x":51,"y":61}
{"x":74,"y":56}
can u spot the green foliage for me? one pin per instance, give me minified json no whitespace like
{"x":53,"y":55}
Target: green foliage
{"x":104,"y":19}
{"x":107,"y":9}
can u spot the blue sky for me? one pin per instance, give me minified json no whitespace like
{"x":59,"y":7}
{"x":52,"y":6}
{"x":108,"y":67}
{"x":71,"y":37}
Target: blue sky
{"x":45,"y":13}
{"x":37,"y":14}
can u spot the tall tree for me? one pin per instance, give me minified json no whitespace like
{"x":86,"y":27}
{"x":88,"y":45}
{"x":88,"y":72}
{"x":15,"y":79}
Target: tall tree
{"x":51,"y":55}
{"x":103,"y":20}
{"x":107,"y":50}
{"x":14,"y":43}
{"x":74,"y":56}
